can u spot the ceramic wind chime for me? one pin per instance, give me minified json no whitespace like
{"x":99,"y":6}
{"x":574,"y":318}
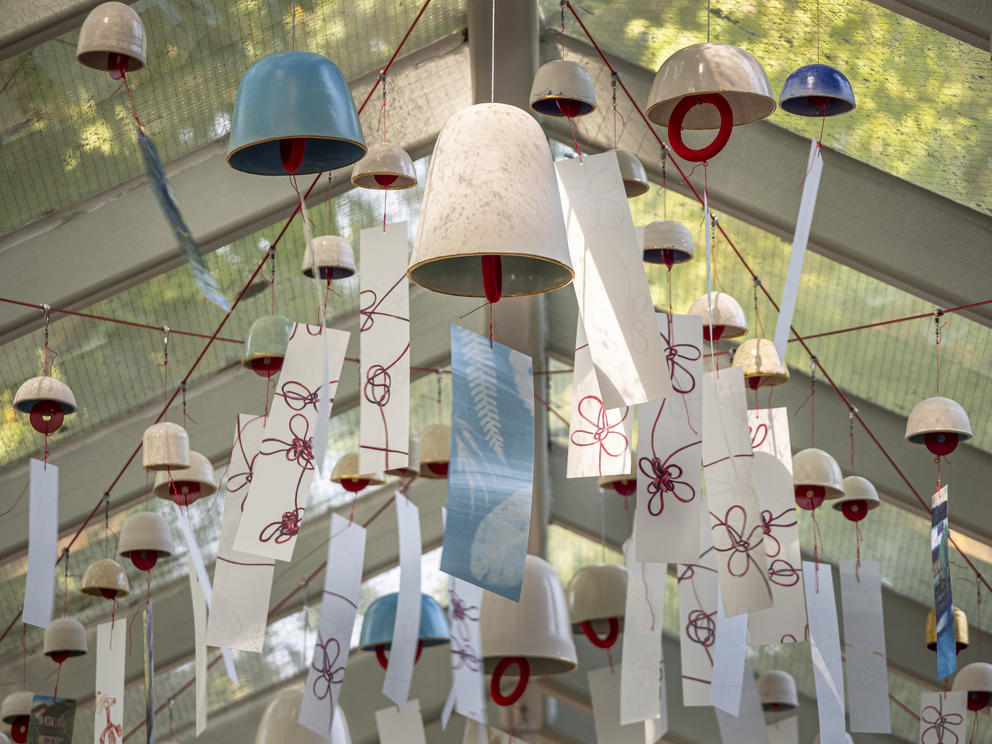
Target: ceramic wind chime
{"x":265,"y":348}
{"x":16,"y":711}
{"x":597,"y":600}
{"x":347,"y":474}
{"x":380,"y":619}
{"x":961,"y":635}
{"x":778,"y":695}
{"x":112,"y":39}
{"x":106,"y":577}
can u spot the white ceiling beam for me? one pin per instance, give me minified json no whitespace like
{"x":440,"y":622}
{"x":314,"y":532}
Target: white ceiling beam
{"x":967,"y":20}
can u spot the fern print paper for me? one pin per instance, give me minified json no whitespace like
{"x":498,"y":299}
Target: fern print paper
{"x":491,"y":471}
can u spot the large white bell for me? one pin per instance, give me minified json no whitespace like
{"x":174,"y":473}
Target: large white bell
{"x":939,"y":423}
{"x":815,"y":476}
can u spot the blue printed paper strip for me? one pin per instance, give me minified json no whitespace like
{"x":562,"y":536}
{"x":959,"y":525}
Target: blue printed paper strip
{"x":491,"y":471}
{"x":946,"y":643}
{"x":205,"y":280}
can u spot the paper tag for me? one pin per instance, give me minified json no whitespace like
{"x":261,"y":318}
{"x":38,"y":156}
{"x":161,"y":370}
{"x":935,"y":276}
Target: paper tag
{"x":729,"y":654}
{"x":748,"y":726}
{"x":604,"y":689}
{"x":108,"y":711}
{"x":642,"y":677}
{"x":698,"y":585}
{"x":468,"y":693}
{"x":943,"y":717}
{"x":43,"y":542}
{"x":406,"y":627}
{"x":52,"y":720}
{"x":864,"y":647}
{"x":824,"y":640}
{"x":200,"y":645}
{"x":784,"y":731}
{"x":943,"y":604}
{"x":401,"y":725}
{"x":148,"y":639}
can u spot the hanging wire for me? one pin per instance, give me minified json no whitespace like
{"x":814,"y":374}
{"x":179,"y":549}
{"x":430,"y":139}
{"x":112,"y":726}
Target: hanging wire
{"x":492,"y":51}
{"x":48,"y":316}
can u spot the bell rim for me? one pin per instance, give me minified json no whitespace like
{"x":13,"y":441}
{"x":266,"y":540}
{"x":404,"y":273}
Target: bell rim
{"x":851,"y":105}
{"x":555,"y":97}
{"x":136,"y":63}
{"x":642,"y":187}
{"x":549,"y":665}
{"x":405,"y":178}
{"x":337,"y":272}
{"x":668,"y":105}
{"x":302,"y":171}
{"x":249,"y":358}
{"x":531,"y":256}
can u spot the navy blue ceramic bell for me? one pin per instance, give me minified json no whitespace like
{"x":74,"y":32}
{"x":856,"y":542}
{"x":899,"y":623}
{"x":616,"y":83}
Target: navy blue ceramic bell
{"x":817,"y":90}
{"x":294,"y":114}
{"x":377,"y":626}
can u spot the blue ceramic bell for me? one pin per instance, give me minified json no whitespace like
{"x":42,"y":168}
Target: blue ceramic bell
{"x":294,"y":114}
{"x":377,"y":625}
{"x":817,"y":90}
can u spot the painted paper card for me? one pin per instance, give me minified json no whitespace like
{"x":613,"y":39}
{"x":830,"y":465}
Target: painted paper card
{"x":277,"y":496}
{"x":943,"y":717}
{"x":946,"y":643}
{"x":785,"y":621}
{"x":604,"y":689}
{"x":242,"y":582}
{"x":610,"y":285}
{"x":732,"y":495}
{"x":43,"y":542}
{"x":491,"y":473}
{"x":642,"y":678}
{"x":699,"y":587}
{"x":784,"y":731}
{"x":52,"y":720}
{"x":199,"y":645}
{"x":748,"y":726}
{"x":824,"y":640}
{"x":401,"y":725}
{"x":480,"y":733}
{"x":864,"y":647}
{"x":729,"y":658}
{"x":338,"y":607}
{"x":468,"y":693}
{"x":599,"y":439}
{"x":108,"y":721}
{"x":384,"y":415}
{"x":148,"y":641}
{"x":406,"y":626}
{"x":669,"y":452}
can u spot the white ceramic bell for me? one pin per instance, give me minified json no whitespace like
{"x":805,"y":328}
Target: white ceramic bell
{"x":412,"y":468}
{"x":145,"y":538}
{"x":186,"y":485}
{"x":939,"y":423}
{"x":976,"y":680}
{"x":491,"y":201}
{"x":563,"y":88}
{"x":624,"y":484}
{"x":105,"y":578}
{"x":711,"y":68}
{"x":435,"y":451}
{"x":332,"y":256}
{"x":165,"y":446}
{"x":860,"y":497}
{"x":729,"y":320}
{"x":112,"y":38}
{"x":667,"y":242}
{"x":635,"y":178}
{"x":65,"y":637}
{"x":596,"y":595}
{"x":536,"y":628}
{"x":777,"y":690}
{"x":816,"y":476}
{"x":347,"y":474}
{"x":760,"y":362}
{"x":47,"y":401}
{"x":279,"y":722}
{"x":16,"y":705}
{"x":385,"y":167}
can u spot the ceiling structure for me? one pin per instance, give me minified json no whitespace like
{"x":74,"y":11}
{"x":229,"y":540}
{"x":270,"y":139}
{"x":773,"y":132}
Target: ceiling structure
{"x":902,"y":226}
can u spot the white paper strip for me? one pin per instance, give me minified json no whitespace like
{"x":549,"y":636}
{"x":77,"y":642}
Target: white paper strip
{"x":599,"y":439}
{"x":698,"y":599}
{"x":642,"y":678}
{"x":242,"y":582}
{"x":729,"y":654}
{"x":943,"y":717}
{"x":480,"y":733}
{"x":406,"y":627}
{"x":108,"y":721}
{"x":669,"y":455}
{"x":612,"y":290}
{"x":784,"y":731}
{"x":864,"y":647}
{"x":199,"y":644}
{"x":342,"y":583}
{"x":825,"y":647}
{"x":785,"y":621}
{"x":732,"y":495}
{"x":43,"y":544}
{"x":277,"y":497}
{"x":401,"y":725}
{"x":811,"y":185}
{"x":468,"y":694}
{"x":384,"y":433}
{"x":748,"y":727}
{"x":604,"y":689}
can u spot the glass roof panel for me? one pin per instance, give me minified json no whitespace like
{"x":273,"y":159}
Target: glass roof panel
{"x":922,"y":97}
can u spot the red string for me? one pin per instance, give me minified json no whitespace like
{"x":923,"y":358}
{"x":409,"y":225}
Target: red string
{"x":575,"y":141}
{"x":134,"y":110}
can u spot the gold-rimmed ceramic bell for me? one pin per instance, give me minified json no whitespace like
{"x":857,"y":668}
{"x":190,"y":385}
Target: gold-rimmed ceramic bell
{"x":435,"y":451}
{"x":165,"y":446}
{"x":961,"y":635}
{"x":265,"y":348}
{"x":635,"y":178}
{"x":412,"y":467}
{"x":347,"y":474}
{"x":385,"y":167}
{"x":105,"y":578}
{"x":759,"y":360}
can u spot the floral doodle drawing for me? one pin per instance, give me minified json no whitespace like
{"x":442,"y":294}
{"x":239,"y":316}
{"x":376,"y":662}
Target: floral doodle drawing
{"x":731,"y":535}
{"x":939,"y":729}
{"x":605,"y":432}
{"x":241,"y":481}
{"x":700,"y":625}
{"x":769,"y":523}
{"x":325,"y":663}
{"x":112,"y":732}
{"x":664,"y":475}
{"x":683,"y":381}
{"x":297,"y":448}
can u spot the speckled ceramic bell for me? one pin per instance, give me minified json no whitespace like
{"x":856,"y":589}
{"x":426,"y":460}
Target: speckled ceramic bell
{"x":112,"y":38}
{"x":47,"y":401}
{"x":16,"y":711}
{"x":64,"y":639}
{"x":816,"y":476}
{"x":332,"y":256}
{"x":961,"y":635}
{"x":435,"y":451}
{"x":347,"y":474}
{"x":597,"y":601}
{"x":165,"y":446}
{"x":635,"y":178}
{"x":294,"y":113}
{"x":860,"y":497}
{"x":729,"y":320}
{"x":380,"y":618}
{"x":563,"y":88}
{"x":667,"y":242}
{"x":777,"y":690}
{"x":939,"y":423}
{"x":279,"y":724}
{"x":412,"y":468}
{"x":265,"y":348}
{"x":624,"y":484}
{"x":760,"y":362}
{"x":385,"y":166}
{"x":817,"y":90}
{"x":976,"y":680}
{"x":145,"y":538}
{"x":105,"y":578}
{"x":186,"y":485}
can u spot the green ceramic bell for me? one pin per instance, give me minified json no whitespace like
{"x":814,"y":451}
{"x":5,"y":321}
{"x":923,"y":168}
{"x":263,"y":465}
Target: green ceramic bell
{"x":266,"y":345}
